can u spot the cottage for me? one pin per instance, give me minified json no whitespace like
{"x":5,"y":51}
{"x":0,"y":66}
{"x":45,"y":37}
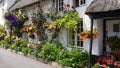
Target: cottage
{"x":104,"y":13}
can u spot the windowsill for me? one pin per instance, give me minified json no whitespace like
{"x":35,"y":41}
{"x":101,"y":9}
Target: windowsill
{"x":78,"y":47}
{"x":81,"y":6}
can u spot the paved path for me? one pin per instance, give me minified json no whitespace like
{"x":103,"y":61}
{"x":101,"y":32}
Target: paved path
{"x":12,"y":60}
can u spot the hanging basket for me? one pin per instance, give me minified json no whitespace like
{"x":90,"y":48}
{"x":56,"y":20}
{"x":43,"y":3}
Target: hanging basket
{"x":12,"y":19}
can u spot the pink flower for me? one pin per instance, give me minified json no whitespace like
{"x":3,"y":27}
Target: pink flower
{"x":29,"y":44}
{"x":33,"y":21}
{"x":68,"y":4}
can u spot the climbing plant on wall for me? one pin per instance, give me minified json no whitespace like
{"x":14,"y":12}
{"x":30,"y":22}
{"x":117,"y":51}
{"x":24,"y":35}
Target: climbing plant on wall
{"x":22,"y":18}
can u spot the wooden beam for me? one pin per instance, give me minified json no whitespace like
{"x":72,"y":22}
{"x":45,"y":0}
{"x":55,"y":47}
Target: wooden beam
{"x":90,"y":48}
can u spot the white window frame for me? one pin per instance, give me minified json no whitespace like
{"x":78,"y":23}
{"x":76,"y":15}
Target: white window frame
{"x":76,"y":39}
{"x":57,"y":4}
{"x":79,"y":5}
{"x":83,"y":3}
{"x":60,"y":4}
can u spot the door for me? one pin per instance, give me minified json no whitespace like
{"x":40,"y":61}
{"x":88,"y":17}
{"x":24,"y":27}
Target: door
{"x":112,"y":29}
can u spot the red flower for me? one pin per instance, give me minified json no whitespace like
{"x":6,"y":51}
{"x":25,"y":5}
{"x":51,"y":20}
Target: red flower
{"x":21,"y":30}
{"x":26,"y":28}
{"x":118,"y":65}
{"x":99,"y":59}
{"x":39,"y":33}
{"x":109,"y":62}
{"x":115,"y":64}
{"x":33,"y":21}
{"x":104,"y":66}
{"x":68,"y":4}
{"x":97,"y":63}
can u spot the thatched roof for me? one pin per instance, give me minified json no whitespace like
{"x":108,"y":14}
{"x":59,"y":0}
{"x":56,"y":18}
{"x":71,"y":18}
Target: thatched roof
{"x":98,"y":6}
{"x":23,"y":3}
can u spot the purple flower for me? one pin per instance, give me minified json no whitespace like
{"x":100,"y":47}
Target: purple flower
{"x":12,"y":19}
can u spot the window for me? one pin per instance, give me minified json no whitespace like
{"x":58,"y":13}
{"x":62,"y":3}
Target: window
{"x":60,"y":7}
{"x":78,"y":3}
{"x":75,"y":40}
{"x":59,"y":4}
{"x":116,"y":28}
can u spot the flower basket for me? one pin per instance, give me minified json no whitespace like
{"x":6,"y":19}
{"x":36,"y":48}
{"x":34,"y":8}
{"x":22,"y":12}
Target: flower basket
{"x":86,"y":34}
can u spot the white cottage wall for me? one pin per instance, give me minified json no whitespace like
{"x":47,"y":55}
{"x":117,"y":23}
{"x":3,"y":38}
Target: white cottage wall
{"x":98,"y":24}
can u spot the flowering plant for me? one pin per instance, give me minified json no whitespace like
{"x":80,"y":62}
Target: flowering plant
{"x":12,"y":19}
{"x":30,"y":29}
{"x":51,"y":29}
{"x":20,"y":15}
{"x":107,"y":60}
{"x":114,"y":43}
{"x":86,"y":34}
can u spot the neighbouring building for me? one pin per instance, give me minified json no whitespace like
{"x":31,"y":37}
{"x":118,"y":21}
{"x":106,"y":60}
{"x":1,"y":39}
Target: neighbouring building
{"x":107,"y":26}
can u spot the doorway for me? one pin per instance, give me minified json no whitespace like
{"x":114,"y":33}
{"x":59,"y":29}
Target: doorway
{"x":111,"y":27}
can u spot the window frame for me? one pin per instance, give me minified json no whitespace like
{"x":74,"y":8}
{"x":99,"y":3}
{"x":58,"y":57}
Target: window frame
{"x":116,"y":27}
{"x":75,"y":38}
{"x":79,"y":1}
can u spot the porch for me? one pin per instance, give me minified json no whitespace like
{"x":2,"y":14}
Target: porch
{"x":107,"y":10}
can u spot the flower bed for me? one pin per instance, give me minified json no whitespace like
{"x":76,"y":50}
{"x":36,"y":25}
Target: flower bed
{"x":48,"y":51}
{"x":108,"y":60}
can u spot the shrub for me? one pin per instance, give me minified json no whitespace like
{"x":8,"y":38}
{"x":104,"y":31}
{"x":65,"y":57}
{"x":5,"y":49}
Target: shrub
{"x":73,"y":58}
{"x":5,"y":43}
{"x":18,"y":44}
{"x":50,"y":51}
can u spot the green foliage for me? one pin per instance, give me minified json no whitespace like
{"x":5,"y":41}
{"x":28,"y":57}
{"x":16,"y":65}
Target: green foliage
{"x":114,"y":43}
{"x":39,"y":18}
{"x":69,"y":21}
{"x":50,"y":51}
{"x":18,"y":44}
{"x":96,"y":66}
{"x":73,"y":58}
{"x":5,"y":43}
{"x":2,"y":32}
{"x":27,"y":50}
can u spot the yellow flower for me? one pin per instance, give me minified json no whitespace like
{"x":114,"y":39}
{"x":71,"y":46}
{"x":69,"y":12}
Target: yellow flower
{"x":30,"y":28}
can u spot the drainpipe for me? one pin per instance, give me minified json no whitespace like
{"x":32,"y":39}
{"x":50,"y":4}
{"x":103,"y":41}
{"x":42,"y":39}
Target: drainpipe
{"x":91,"y":42}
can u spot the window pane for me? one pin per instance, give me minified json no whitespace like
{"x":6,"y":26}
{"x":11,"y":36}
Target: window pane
{"x":80,"y":43}
{"x":116,"y":27}
{"x":82,"y":2}
{"x":60,"y":5}
{"x":76,"y":3}
{"x":75,"y":37}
